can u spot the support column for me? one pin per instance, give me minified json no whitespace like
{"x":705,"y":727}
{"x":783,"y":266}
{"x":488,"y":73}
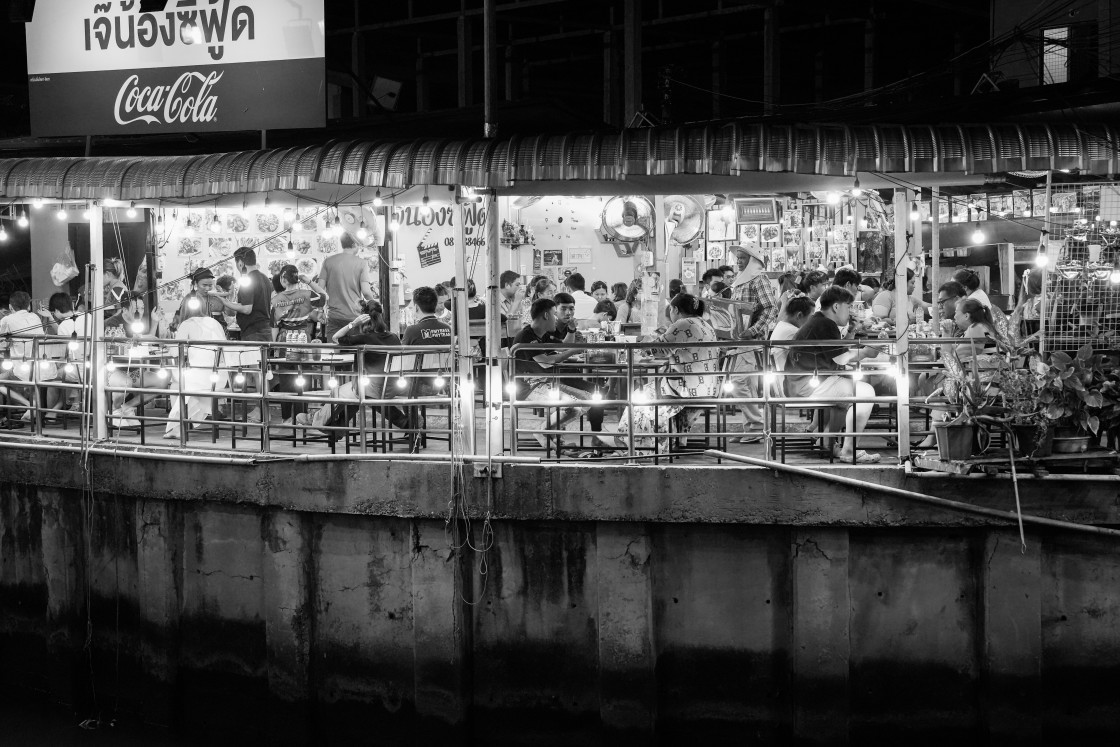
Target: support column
{"x":627,"y":684}
{"x":1044,"y":243}
{"x":489,"y":67}
{"x":771,"y":60}
{"x":464,"y":388}
{"x":95,"y":295}
{"x":1011,"y":603}
{"x":632,"y":62}
{"x":935,"y":251}
{"x":901,"y":308}
{"x":821,"y":648}
{"x":495,"y":330}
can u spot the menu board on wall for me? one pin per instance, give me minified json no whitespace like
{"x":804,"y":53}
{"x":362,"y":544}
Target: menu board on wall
{"x":427,"y":242}
{"x":193,"y":239}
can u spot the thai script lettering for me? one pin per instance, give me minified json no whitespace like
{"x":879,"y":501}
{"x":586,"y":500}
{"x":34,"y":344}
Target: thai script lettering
{"x":213,"y":25}
{"x":188,"y":99}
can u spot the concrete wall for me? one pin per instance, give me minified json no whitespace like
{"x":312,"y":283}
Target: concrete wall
{"x":628,"y":605}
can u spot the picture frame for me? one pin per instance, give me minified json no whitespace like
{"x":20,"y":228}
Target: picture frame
{"x":756,"y":210}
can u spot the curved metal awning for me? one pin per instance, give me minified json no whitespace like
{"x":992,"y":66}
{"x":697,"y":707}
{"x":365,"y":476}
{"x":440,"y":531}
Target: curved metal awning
{"x":644,"y":156}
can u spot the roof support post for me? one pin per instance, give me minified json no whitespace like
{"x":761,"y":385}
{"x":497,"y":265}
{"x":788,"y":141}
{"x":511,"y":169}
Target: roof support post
{"x":489,"y":67}
{"x":494,"y":328}
{"x":632,"y":59}
{"x":95,"y":295}
{"x":901,"y":320}
{"x":463,"y":399}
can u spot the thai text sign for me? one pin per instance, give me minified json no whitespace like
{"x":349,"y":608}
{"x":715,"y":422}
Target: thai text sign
{"x":156,"y":66}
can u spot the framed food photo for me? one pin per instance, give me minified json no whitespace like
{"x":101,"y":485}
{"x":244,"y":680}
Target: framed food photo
{"x":748,"y":233}
{"x":771,"y":233}
{"x":721,"y":225}
{"x":552,"y":257}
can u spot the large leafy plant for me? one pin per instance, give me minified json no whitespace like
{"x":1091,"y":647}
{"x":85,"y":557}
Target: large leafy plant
{"x":1076,"y":391}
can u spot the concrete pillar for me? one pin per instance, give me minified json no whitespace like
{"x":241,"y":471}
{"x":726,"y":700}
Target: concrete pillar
{"x":1011,"y":605}
{"x":627,"y":683}
{"x":820,"y":652}
{"x":286,"y":571}
{"x":440,"y":635}
{"x":159,"y":574}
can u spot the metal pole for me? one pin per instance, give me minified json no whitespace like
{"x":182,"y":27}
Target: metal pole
{"x":1044,"y":241}
{"x":495,"y":330}
{"x":920,"y":497}
{"x":489,"y":31}
{"x":901,"y":319}
{"x":935,"y":252}
{"x":95,"y":295}
{"x":462,"y":336}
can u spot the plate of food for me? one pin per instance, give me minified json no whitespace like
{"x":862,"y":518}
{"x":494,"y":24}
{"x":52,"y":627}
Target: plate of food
{"x":275,"y":266}
{"x":268,"y":222}
{"x":236,"y":223}
{"x":275,"y":246}
{"x":302,"y":246}
{"x":220,"y":247}
{"x":190,"y":247}
{"x":328,"y":245}
{"x":308,"y":266}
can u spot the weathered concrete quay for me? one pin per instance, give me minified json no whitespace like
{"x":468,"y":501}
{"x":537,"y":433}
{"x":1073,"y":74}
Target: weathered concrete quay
{"x":316,"y":602}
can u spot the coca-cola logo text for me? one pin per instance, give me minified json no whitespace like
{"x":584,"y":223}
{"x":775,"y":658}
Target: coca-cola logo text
{"x":188,"y":99}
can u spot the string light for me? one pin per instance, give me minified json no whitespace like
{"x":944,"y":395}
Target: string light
{"x":22,"y":221}
{"x":131,"y":212}
{"x":193,"y":303}
{"x":597,"y":396}
{"x":300,"y":381}
{"x":239,"y":378}
{"x":69,"y":368}
{"x":768,"y":378}
{"x":215,"y":224}
{"x":856,"y":191}
{"x":3,"y":234}
{"x":377,"y":201}
{"x":978,"y":236}
{"x":728,"y":387}
{"x":363,"y":382}
{"x":332,"y":383}
{"x":111,"y":366}
{"x":37,"y":203}
{"x":61,"y":214}
{"x":511,"y":389}
{"x":245,"y":281}
{"x":87,"y":214}
{"x":394,"y":224}
{"x":363,"y":234}
{"x":554,"y":394}
{"x":439,"y":382}
{"x":161,"y":373}
{"x":815,"y":381}
{"x":402,"y":382}
{"x":137,"y":327}
{"x":214,"y":377}
{"x":6,"y":365}
{"x":425,"y":207}
{"x":1114,"y":276}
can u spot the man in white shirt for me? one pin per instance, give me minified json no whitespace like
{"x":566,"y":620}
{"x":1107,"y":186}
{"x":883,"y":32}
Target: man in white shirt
{"x":15,"y":329}
{"x":512,"y":294}
{"x":585,"y":303}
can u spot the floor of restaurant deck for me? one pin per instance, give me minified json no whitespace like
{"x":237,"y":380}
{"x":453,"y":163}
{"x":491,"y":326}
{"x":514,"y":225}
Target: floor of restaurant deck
{"x":311,"y":441}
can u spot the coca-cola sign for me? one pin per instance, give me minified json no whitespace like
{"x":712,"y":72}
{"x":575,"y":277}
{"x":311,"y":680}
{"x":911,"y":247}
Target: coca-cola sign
{"x":107,"y":68}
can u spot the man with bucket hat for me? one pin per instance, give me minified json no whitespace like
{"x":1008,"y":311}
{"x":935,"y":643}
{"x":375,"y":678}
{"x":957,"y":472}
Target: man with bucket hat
{"x":751,"y":287}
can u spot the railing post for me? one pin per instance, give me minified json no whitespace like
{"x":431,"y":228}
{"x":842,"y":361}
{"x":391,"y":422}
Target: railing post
{"x":901,"y":319}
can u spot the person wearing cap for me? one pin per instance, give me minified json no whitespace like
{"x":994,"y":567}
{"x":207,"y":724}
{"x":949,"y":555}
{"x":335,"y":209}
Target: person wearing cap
{"x":202,"y":299}
{"x":752,"y":288}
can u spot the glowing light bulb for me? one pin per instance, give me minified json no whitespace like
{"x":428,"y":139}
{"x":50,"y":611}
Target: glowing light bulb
{"x":37,"y":203}
{"x":1114,"y":276}
{"x":597,"y":396}
{"x":72,"y":346}
{"x":815,"y":381}
{"x":363,"y":234}
{"x":161,"y":373}
{"x":24,"y":368}
{"x":364,"y":381}
{"x":245,"y":281}
{"x":891,"y":371}
{"x":332,"y":383}
{"x":915,"y":215}
{"x":300,"y":381}
{"x":3,"y":234}
{"x":377,"y":201}
{"x":111,"y":366}
{"x":402,"y":382}
{"x":439,"y":382}
{"x":1026,"y":213}
{"x":1041,"y":260}
{"x":22,"y":221}
{"x":86,"y":214}
{"x":6,"y":365}
{"x":978,"y":236}
{"x":394,"y":225}
{"x":137,"y":327}
{"x":131,"y":212}
{"x":69,"y":368}
{"x":61,"y":214}
{"x":554,"y":394}
{"x":857,"y":375}
{"x":639,"y":397}
{"x":239,"y":378}
{"x":193,"y":303}
{"x":856,"y":190}
{"x":511,"y":389}
{"x":289,"y":215}
{"x":769,"y":378}
{"x":728,"y":387}
{"x":832,"y":198}
{"x":214,"y":377}
{"x":425,"y":207}
{"x":215,"y":225}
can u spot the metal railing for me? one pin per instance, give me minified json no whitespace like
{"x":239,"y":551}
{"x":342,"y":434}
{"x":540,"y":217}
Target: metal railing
{"x":195,"y":389}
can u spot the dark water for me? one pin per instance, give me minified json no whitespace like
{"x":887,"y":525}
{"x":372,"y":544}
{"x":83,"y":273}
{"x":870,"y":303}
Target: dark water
{"x":31,"y":723}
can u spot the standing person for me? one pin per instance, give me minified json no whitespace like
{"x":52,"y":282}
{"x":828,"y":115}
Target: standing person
{"x":74,"y":327}
{"x":202,"y":298}
{"x":15,"y":329}
{"x":199,"y":365}
{"x":253,"y":307}
{"x":585,"y":303}
{"x":347,"y":281}
{"x":513,"y":294}
{"x":752,"y":288}
{"x":116,"y":285}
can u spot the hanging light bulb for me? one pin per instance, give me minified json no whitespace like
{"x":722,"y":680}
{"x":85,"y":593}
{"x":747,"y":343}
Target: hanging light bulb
{"x":61,"y":214}
{"x":111,"y":366}
{"x":402,"y":382}
{"x":6,"y":365}
{"x":3,"y":234}
{"x":131,"y":212}
{"x":22,"y":221}
{"x":639,"y":397}
{"x":728,"y":387}
{"x":87,"y":214}
{"x":377,"y":201}
{"x":268,"y":376}
{"x":193,"y":303}
{"x":215,"y":224}
{"x":137,"y":327}
{"x":363,"y":382}
{"x":978,"y":236}
{"x":239,"y":378}
{"x":71,"y":368}
{"x":425,"y":206}
{"x":439,"y":382}
{"x":511,"y":389}
{"x":37,"y":203}
{"x":214,"y":377}
{"x":832,"y":198}
{"x":1114,"y":276}
{"x":1040,"y":259}
{"x":363,"y":234}
{"x":815,"y":381}
{"x":300,"y":381}
{"x":394,"y":224}
{"x":857,"y":375}
{"x":914,"y":213}
{"x":245,"y":281}
{"x":769,"y":378}
{"x":597,"y":396}
{"x":332,"y":383}
{"x":291,"y":248}
{"x":856,"y":190}
{"x":245,"y":208}
{"x":72,"y":346}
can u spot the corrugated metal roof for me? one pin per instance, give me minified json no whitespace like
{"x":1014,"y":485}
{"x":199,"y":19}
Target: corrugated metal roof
{"x":722,"y":149}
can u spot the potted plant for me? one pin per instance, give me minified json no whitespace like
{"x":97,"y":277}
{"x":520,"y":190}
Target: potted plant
{"x":1031,"y":432}
{"x":973,"y":403}
{"x":1075,"y":392}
